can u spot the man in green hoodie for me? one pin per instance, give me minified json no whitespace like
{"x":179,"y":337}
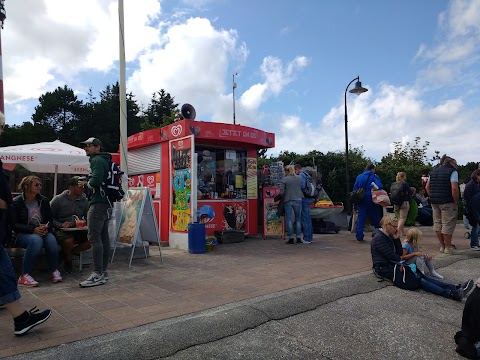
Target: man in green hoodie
{"x":97,"y":216}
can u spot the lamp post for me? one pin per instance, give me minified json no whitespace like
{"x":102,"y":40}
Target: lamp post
{"x":358,"y":89}
{"x":234,"y":85}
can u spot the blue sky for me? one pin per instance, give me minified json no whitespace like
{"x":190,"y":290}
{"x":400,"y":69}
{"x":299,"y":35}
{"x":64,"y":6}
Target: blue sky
{"x":418,"y":59}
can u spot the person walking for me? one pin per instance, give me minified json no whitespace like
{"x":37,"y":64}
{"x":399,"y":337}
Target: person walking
{"x":98,"y":211}
{"x":291,"y":191}
{"x":442,"y":188}
{"x":472,"y":188}
{"x":367,"y":207}
{"x":306,"y":203}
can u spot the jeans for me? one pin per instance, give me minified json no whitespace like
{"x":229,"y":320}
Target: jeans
{"x":436,"y":287}
{"x":306,"y":219}
{"x":34,"y":243}
{"x":97,"y":222}
{"x":293,"y":207}
{"x":474,"y":235}
{"x":8,"y":280}
{"x":367,"y":208}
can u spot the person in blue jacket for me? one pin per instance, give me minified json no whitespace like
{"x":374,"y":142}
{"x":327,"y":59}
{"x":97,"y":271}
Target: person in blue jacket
{"x":367,"y":207}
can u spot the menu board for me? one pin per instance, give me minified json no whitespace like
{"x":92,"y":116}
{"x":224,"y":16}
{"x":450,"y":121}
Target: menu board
{"x":272,"y":223}
{"x":252,"y":180}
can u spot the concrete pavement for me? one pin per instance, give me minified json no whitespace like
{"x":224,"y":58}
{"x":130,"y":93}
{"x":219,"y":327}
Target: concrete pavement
{"x":331,"y":306}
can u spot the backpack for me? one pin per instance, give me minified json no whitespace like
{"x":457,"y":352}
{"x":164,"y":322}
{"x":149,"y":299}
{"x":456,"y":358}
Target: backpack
{"x":113,"y":183}
{"x":311,"y":188}
{"x":399,"y":192}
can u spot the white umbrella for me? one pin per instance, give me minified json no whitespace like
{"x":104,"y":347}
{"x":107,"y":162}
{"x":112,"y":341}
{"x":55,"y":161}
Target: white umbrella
{"x":47,"y":157}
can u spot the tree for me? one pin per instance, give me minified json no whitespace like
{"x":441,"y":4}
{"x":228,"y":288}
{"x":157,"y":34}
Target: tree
{"x":409,"y":158}
{"x":59,"y":110}
{"x":161,"y":111}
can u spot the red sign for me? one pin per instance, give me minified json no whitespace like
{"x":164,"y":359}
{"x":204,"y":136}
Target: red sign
{"x":151,"y":180}
{"x":203,"y":130}
{"x":218,"y":215}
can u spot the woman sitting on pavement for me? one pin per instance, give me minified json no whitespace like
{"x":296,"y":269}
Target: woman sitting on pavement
{"x":387,"y":250}
{"x":32,"y":224}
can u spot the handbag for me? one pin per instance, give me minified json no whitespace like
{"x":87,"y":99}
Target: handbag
{"x":405,"y":278}
{"x":358,"y":196}
{"x":380,"y":197}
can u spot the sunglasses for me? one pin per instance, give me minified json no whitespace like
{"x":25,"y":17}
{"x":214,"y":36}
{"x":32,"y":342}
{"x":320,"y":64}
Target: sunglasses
{"x":37,"y":185}
{"x":87,"y":145}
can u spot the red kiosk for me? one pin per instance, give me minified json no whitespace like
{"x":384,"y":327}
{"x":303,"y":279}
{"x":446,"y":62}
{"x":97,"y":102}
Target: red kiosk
{"x":199,"y":172}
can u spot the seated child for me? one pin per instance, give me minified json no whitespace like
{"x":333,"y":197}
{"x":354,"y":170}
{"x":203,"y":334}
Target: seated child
{"x":412,"y":253}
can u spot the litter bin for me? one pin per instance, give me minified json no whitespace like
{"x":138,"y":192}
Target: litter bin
{"x":196,"y":238}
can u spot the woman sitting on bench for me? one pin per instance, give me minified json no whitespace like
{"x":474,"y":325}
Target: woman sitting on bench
{"x":32,"y":224}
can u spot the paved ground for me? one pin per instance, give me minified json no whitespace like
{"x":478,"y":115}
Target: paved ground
{"x":256,"y":299}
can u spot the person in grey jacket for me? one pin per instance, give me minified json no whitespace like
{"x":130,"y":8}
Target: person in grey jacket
{"x":290,"y":189}
{"x":67,"y":207}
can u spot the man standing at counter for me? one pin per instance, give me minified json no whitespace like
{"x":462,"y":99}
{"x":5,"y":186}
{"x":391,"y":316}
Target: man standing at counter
{"x":306,"y":202}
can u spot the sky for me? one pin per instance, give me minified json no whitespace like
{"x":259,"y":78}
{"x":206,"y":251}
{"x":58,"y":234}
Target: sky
{"x":419,"y":61}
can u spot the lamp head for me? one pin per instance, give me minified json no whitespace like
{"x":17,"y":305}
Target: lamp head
{"x":358,"y":89}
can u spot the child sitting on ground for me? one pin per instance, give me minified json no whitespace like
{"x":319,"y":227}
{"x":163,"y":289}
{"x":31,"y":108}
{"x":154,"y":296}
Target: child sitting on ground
{"x":412,"y":253}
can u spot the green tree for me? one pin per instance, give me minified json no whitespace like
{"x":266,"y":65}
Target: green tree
{"x":409,"y":158}
{"x":59,"y":110}
{"x":160,"y":112}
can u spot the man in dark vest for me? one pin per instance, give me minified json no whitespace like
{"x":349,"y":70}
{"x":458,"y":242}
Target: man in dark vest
{"x":442,"y":187}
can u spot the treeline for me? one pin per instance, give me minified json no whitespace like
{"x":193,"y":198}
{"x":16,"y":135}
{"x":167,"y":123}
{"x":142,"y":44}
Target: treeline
{"x":61,"y":115}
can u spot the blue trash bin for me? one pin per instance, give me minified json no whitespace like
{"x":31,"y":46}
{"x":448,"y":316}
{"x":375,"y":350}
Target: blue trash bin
{"x":196,"y":238}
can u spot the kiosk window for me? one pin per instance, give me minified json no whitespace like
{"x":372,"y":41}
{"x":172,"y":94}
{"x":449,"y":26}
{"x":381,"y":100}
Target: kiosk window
{"x":221,"y":173}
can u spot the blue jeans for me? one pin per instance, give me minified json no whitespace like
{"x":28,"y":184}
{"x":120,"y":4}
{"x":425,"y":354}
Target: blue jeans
{"x":306,"y":219}
{"x":474,"y":235}
{"x":34,"y":243}
{"x":370,"y":209}
{"x":8,"y":280}
{"x":97,"y":222}
{"x":436,"y":287}
{"x":291,"y":207}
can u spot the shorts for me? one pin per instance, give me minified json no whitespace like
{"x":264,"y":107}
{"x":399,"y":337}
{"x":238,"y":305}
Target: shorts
{"x":402,"y":210}
{"x":444,"y":218}
{"x":78,"y":236}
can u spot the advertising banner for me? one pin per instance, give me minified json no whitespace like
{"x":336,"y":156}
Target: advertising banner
{"x":252,"y":179}
{"x":223,"y":215}
{"x":272,"y":223}
{"x":181,"y":165}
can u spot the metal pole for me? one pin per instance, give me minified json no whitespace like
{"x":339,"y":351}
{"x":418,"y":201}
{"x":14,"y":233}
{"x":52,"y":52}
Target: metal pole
{"x":347,"y":175}
{"x":123,"y":97}
{"x":233,"y":92}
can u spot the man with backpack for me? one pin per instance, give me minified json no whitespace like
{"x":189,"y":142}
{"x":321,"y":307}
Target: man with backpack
{"x":367,"y":207}
{"x":98,"y":210}
{"x":308,"y":188}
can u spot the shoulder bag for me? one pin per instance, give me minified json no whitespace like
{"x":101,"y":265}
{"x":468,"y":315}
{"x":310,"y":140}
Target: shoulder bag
{"x":358,"y":196}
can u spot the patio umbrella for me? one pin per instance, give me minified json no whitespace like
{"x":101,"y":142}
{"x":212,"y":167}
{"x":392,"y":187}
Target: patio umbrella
{"x":47,"y":157}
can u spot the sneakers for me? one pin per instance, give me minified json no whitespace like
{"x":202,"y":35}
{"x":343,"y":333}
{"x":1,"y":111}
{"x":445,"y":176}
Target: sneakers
{"x":105,"y":275}
{"x":442,"y":249}
{"x":467,"y":286}
{"x":303,"y":241}
{"x":361,"y":242}
{"x":35,"y":317}
{"x":457,"y":294}
{"x":449,"y":251}
{"x":435,"y":274}
{"x":299,"y":241}
{"x":475,"y":248}
{"x":27,"y":280}
{"x":94,"y":280}
{"x":56,"y":277}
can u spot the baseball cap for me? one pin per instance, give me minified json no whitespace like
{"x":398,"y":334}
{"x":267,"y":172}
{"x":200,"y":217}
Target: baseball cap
{"x":73,"y":181}
{"x":93,"y":141}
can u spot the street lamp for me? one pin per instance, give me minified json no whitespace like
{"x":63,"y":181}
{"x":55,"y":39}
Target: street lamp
{"x":358,"y":89}
{"x":234,"y":85}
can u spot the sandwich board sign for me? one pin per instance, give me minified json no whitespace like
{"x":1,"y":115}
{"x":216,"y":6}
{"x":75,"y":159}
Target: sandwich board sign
{"x":137,"y":222}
